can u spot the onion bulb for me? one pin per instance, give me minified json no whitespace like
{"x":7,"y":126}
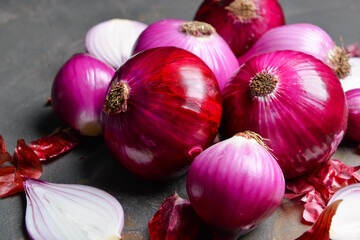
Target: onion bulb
{"x":112,"y":41}
{"x":292,"y":99}
{"x":235,"y":185}
{"x":241,"y":22}
{"x":162,"y":108}
{"x":78,"y":92}
{"x":306,"y":38}
{"x":197,"y":37}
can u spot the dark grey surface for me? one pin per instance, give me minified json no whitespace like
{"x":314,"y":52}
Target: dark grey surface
{"x":38,"y":36}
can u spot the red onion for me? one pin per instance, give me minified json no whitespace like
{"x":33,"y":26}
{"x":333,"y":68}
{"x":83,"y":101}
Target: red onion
{"x":196,"y":37}
{"x":241,"y":22}
{"x":353,"y":100}
{"x":78,"y":92}
{"x":235,"y":185}
{"x":306,"y":38}
{"x":69,"y":211}
{"x":162,"y":108}
{"x":292,"y":99}
{"x":112,"y":41}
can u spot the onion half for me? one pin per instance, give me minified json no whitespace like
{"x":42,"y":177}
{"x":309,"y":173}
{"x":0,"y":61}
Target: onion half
{"x":292,"y":99}
{"x":162,"y":108}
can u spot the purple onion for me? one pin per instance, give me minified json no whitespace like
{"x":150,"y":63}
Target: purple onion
{"x":292,"y":99}
{"x":235,"y":185}
{"x":306,"y":38}
{"x":197,"y":37}
{"x":162,"y":108}
{"x":78,"y":92}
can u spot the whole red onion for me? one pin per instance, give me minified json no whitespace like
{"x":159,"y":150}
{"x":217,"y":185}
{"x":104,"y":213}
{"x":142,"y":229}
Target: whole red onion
{"x":241,"y":22}
{"x":292,"y":99}
{"x":197,"y":37}
{"x":78,"y":92}
{"x":353,"y":100}
{"x":235,"y":185}
{"x":162,"y":108}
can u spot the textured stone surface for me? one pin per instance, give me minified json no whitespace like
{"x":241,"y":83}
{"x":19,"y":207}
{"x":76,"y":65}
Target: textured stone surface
{"x":38,"y":36}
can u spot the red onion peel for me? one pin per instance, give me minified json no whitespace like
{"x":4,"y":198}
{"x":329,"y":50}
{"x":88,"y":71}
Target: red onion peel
{"x":318,"y":187}
{"x":176,"y":219}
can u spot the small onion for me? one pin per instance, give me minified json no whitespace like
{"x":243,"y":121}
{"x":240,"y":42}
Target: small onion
{"x":69,"y":211}
{"x":197,"y":37}
{"x":241,"y":22}
{"x":353,"y":101}
{"x":112,"y":41}
{"x":162,"y":108}
{"x":292,"y":99}
{"x":78,"y":92}
{"x":306,"y":38}
{"x":235,"y":185}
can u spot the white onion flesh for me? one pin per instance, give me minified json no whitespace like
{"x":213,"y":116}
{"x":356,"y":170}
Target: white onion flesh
{"x":69,"y":211}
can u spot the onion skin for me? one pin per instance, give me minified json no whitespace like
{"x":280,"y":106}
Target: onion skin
{"x":173,"y":112}
{"x":305,"y":116}
{"x":78,"y":92}
{"x":235,"y":185}
{"x":353,"y":100}
{"x":112,"y":41}
{"x":306,"y":38}
{"x":212,"y":49}
{"x":241,"y":34}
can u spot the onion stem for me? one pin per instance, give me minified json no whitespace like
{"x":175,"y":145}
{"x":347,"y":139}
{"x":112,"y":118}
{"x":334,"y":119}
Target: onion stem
{"x":116,"y":99}
{"x":242,"y":9}
{"x":197,"y":29}
{"x":262,"y":84}
{"x":339,"y":60}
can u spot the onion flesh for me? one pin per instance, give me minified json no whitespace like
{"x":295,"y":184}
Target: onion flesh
{"x":69,"y":211}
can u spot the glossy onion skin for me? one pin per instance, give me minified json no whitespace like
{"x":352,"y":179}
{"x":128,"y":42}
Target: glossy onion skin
{"x":241,"y":35}
{"x":78,"y":92}
{"x":173,"y":113}
{"x":304,"y":118}
{"x":213,"y":50}
{"x":235,"y":185}
{"x":353,"y":100}
{"x":301,"y":37}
